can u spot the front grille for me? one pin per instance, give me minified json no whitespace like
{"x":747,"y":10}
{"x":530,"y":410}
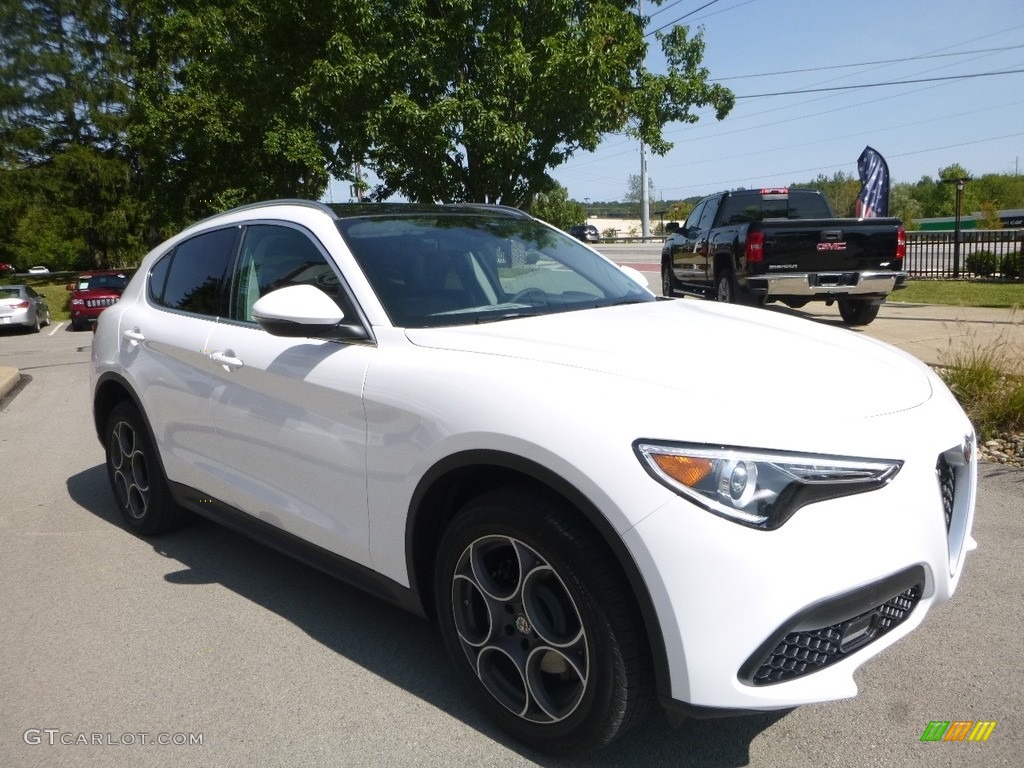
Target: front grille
{"x":808,"y":650}
{"x":947,"y":486}
{"x":100,"y":302}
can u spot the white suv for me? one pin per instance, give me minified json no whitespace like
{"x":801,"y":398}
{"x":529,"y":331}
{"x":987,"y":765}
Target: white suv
{"x":602,"y":498}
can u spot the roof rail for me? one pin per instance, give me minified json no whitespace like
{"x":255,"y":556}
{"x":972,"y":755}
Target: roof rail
{"x":263,"y":204}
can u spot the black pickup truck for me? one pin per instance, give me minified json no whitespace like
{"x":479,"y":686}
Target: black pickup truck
{"x":757,"y":246}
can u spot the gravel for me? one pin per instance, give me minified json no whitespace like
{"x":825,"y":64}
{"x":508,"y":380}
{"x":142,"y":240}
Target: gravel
{"x":1008,"y":450}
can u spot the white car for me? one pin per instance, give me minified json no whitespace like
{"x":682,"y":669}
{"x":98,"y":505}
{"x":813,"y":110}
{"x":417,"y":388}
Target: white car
{"x":604,"y":499}
{"x":38,"y":271}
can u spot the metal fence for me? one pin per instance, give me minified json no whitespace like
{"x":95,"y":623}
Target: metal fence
{"x":988,"y":253}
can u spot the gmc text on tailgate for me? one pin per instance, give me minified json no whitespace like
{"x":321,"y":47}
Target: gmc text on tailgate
{"x":756,"y":246}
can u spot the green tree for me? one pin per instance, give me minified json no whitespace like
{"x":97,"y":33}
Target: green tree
{"x":555,"y":207}
{"x":225,"y":110}
{"x":62,"y":130}
{"x":679,"y":211}
{"x":841,"y":191}
{"x":989,"y":216}
{"x":904,"y":205}
{"x":634,"y":192}
{"x":478,"y":99}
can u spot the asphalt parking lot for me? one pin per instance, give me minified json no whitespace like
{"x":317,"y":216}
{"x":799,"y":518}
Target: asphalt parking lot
{"x":236,"y":656}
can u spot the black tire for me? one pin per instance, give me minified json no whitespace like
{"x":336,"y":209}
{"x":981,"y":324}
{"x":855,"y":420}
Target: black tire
{"x":725,"y":286}
{"x":49,"y":319}
{"x":539,"y":624}
{"x":136,"y":476}
{"x":35,"y":328}
{"x":75,"y":325}
{"x":668,"y":279}
{"x":858,"y":311}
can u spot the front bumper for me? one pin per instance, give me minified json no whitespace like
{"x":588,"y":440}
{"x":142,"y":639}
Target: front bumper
{"x":761,"y":620}
{"x":824,"y":285}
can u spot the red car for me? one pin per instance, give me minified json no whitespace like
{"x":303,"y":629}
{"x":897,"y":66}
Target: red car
{"x":6,"y":269}
{"x":93,"y":292}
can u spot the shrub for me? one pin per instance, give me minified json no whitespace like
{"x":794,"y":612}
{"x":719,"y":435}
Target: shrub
{"x":1012,"y":265}
{"x":984,"y":379}
{"x":982,"y":263}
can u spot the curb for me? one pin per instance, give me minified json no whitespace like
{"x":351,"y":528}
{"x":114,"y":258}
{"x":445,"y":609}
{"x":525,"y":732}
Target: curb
{"x":9,"y":379}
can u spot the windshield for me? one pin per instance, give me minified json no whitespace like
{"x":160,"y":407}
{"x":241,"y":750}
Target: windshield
{"x":453,"y":269}
{"x":96,"y":282}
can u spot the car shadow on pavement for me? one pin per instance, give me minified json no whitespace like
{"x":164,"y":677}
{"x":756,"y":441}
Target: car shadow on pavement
{"x":393,"y":644}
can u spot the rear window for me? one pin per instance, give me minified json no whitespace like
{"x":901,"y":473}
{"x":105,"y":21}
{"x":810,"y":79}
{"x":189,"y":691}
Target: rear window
{"x":193,"y":277}
{"x":742,"y":209}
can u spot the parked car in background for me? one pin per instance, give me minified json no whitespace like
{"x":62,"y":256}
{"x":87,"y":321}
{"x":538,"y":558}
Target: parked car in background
{"x":93,"y":292}
{"x":21,"y":305}
{"x":7,"y":269}
{"x":38,"y":270}
{"x":586,"y":232}
{"x":470,"y":413}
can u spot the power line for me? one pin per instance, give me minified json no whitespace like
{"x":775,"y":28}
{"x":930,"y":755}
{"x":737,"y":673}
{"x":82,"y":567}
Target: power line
{"x":790,"y":174}
{"x":664,"y":8}
{"x":684,"y":16}
{"x":879,"y":85}
{"x":868,"y":63}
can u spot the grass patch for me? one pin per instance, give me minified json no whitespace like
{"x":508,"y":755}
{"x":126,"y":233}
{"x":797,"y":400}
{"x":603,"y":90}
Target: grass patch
{"x":980,"y":378}
{"x":961,"y":293}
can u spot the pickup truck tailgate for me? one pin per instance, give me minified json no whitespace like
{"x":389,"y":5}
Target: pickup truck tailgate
{"x":830,"y":245}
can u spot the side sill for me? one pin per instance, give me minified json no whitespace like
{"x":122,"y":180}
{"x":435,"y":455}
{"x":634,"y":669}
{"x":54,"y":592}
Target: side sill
{"x":324,"y":560}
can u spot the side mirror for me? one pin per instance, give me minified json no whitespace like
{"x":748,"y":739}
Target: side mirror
{"x":302,"y":311}
{"x":672,"y":227}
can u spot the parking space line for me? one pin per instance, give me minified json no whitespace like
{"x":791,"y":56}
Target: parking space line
{"x":55,"y":329}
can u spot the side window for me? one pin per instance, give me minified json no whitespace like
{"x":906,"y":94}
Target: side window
{"x":708,"y":216}
{"x":277,"y":257}
{"x":694,"y":217}
{"x":196,"y":274}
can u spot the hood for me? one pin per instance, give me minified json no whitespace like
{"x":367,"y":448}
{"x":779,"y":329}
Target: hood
{"x":697,"y":349}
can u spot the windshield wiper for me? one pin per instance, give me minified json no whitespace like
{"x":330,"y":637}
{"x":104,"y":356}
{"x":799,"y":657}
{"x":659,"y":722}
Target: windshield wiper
{"x":494,"y":317}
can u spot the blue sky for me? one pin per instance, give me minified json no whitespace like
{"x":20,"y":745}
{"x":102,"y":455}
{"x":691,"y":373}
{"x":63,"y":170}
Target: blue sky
{"x":977,"y":122}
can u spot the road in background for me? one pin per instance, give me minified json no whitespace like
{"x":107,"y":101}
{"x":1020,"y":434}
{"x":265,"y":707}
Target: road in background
{"x":203,"y":634}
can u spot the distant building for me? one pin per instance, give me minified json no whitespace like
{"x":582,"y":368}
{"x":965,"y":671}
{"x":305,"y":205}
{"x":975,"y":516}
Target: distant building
{"x":1012,"y":219}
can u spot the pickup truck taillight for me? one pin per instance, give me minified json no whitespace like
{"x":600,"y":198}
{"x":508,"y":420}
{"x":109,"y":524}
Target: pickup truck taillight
{"x":754,"y":249}
{"x":901,"y":245}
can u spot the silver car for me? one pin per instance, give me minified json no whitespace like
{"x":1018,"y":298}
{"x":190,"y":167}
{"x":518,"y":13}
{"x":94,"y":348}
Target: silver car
{"x":20,"y":305}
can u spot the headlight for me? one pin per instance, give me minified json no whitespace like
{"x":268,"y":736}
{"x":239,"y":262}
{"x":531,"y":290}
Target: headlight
{"x":761,"y":489}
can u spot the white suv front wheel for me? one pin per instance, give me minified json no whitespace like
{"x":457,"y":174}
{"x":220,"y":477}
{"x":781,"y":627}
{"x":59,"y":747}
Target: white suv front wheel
{"x":538,"y":623}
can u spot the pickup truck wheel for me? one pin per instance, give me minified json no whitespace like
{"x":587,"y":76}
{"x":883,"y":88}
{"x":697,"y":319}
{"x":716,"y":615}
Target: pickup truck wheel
{"x":725,"y":286}
{"x":858,"y":311}
{"x":668,"y":280}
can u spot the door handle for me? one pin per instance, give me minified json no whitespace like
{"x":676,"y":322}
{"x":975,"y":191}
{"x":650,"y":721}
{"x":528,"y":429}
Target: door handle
{"x":135,"y":336}
{"x":227,"y":360}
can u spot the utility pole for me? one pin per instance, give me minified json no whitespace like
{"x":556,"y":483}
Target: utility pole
{"x":645,"y":196}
